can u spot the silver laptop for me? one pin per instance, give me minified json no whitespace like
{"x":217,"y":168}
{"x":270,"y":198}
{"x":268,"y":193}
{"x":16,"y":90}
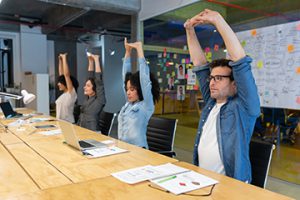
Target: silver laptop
{"x":71,"y":138}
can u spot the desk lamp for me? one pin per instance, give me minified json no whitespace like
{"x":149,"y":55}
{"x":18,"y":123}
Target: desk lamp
{"x":27,"y":97}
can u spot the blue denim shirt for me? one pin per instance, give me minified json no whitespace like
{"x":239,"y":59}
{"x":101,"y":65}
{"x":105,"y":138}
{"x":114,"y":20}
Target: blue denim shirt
{"x":236,"y":119}
{"x":134,"y":117}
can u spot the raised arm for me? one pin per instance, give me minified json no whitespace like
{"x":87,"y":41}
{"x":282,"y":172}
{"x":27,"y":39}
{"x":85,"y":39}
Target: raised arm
{"x":196,"y":52}
{"x":126,"y":63}
{"x":66,"y":72}
{"x":233,"y":45}
{"x":60,"y":68}
{"x":145,"y":81}
{"x":99,"y":81}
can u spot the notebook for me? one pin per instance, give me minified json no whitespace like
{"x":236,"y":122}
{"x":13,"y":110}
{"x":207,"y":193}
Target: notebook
{"x":8,"y":110}
{"x":70,"y":136}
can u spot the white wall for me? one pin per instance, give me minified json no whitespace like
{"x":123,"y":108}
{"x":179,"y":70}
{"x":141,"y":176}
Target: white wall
{"x":33,"y":50}
{"x":152,"y":8}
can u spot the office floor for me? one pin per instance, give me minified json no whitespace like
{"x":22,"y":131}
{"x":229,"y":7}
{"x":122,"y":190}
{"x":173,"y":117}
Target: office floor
{"x":284,"y":174}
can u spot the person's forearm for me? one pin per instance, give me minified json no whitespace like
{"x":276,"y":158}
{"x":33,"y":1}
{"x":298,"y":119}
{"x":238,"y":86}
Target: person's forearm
{"x":66,"y":67}
{"x":91,"y":66}
{"x":60,"y":68}
{"x":127,"y":54}
{"x":196,"y":52}
{"x":97,"y":65}
{"x":140,"y":52}
{"x":233,"y":45}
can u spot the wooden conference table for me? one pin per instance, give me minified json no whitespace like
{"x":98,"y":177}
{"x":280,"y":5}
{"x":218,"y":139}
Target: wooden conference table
{"x":35,"y":166}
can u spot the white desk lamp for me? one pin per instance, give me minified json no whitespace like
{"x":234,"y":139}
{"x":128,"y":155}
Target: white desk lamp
{"x":27,"y":97}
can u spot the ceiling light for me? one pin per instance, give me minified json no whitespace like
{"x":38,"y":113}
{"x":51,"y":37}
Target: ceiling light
{"x":111,"y":52}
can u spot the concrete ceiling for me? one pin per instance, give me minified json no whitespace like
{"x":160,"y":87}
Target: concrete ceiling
{"x":70,"y":19}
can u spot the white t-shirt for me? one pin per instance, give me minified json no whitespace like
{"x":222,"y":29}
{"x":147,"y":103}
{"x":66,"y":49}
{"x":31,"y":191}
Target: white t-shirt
{"x":65,"y":106}
{"x":208,"y":149}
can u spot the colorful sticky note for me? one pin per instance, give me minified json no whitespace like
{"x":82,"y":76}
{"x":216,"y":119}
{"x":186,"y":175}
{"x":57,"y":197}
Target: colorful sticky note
{"x":186,"y":76}
{"x":196,"y":87}
{"x":175,"y":55}
{"x":253,"y":32}
{"x":168,"y":75}
{"x":168,"y":55}
{"x":209,"y":54}
{"x":187,"y":60}
{"x":165,"y":52}
{"x":298,"y":70}
{"x":158,"y":73}
{"x":216,"y":47}
{"x":290,"y":48}
{"x":173,"y":74}
{"x":164,"y":69}
{"x":160,"y":80}
{"x":298,"y":100}
{"x":259,"y":64}
{"x":182,"y":60}
{"x":243,"y":43}
{"x":159,"y":55}
{"x":207,"y":49}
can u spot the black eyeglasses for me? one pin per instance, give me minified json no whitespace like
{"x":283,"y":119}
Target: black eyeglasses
{"x":217,"y":78}
{"x":189,"y":194}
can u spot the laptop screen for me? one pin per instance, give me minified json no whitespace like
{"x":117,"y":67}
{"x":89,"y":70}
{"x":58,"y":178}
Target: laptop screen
{"x":7,"y":109}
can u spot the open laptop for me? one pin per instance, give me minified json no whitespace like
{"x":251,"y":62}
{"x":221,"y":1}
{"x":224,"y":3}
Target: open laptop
{"x":8,"y":110}
{"x":71,"y":138}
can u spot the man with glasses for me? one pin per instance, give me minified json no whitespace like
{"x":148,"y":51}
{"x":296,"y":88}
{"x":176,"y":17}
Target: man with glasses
{"x":231,"y":102}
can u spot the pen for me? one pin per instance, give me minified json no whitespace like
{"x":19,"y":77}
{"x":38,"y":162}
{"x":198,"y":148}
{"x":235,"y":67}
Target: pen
{"x":167,"y":179}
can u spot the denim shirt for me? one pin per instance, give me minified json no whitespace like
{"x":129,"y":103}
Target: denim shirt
{"x":235,"y":122}
{"x":134,"y":117}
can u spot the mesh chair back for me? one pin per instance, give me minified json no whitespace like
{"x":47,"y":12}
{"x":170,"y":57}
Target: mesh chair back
{"x":260,"y":157}
{"x":161,"y":134}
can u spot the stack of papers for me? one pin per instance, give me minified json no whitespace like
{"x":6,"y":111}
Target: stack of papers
{"x":184,"y":182}
{"x":104,"y":151}
{"x":148,"y":172}
{"x":168,"y":176}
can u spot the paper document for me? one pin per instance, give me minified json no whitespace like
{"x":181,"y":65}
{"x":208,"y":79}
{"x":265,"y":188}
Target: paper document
{"x":147,"y":172}
{"x":105,"y":151}
{"x":184,"y":182}
{"x":50,"y":132}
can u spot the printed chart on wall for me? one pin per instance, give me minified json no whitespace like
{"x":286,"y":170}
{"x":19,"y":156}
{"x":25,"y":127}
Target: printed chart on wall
{"x":275,"y":51}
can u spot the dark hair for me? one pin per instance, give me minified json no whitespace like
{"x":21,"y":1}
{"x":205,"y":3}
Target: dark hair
{"x":92,"y":82}
{"x":61,"y":79}
{"x":222,"y":63}
{"x":134,"y":79}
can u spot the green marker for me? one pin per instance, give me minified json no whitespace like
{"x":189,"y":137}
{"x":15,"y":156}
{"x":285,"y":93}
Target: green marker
{"x":167,"y":179}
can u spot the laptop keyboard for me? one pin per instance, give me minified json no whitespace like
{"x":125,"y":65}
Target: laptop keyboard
{"x":84,"y":144}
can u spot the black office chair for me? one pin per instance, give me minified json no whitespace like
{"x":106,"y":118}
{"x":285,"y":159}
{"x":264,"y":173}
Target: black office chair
{"x":161,"y":135}
{"x":113,"y":131}
{"x":105,"y":122}
{"x":76,"y":112}
{"x":260,"y":153}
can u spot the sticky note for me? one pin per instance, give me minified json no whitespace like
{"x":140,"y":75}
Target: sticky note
{"x":168,"y":75}
{"x":298,"y":70}
{"x":259,"y":64}
{"x":187,"y":60}
{"x":253,"y":32}
{"x":209,"y":54}
{"x":207,"y":49}
{"x":173,"y":73}
{"x":298,"y":100}
{"x":290,"y":48}
{"x":186,"y":76}
{"x":216,"y":47}
{"x":165,"y":69}
{"x":243,"y":43}
{"x":175,"y":55}
{"x":160,"y":80}
{"x":158,"y":73}
{"x":182,"y":60}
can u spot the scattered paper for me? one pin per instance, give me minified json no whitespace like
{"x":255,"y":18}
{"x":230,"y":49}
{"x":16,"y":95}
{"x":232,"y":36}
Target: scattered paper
{"x":105,"y":151}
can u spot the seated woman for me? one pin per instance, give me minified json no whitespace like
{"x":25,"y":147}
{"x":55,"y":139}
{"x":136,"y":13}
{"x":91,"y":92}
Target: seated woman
{"x":142,"y":92}
{"x":95,"y":96}
{"x":68,"y":85}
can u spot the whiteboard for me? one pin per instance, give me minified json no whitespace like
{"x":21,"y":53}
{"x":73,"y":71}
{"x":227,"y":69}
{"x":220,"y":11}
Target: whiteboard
{"x":275,"y":51}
